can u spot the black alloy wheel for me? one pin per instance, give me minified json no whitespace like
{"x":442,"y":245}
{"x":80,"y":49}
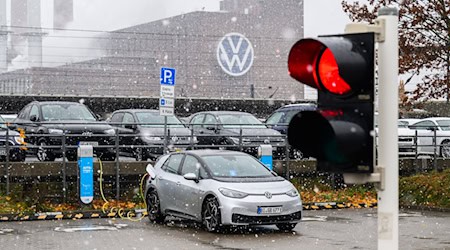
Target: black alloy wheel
{"x":153,"y":207}
{"x":43,"y":152}
{"x":211,"y":215}
{"x":139,"y":154}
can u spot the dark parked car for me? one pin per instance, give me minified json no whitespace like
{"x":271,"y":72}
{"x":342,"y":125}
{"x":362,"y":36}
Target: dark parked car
{"x":279,"y":120}
{"x":143,"y":130}
{"x":47,"y":124}
{"x":16,"y":143}
{"x":234,"y":129}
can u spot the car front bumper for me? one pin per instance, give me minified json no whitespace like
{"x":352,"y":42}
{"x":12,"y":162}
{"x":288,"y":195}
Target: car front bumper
{"x":245,"y":211}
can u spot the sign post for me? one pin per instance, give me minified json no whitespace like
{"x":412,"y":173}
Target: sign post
{"x":167,"y":97}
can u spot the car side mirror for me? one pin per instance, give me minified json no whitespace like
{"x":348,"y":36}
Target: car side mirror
{"x":151,"y":171}
{"x":191,"y":177}
{"x":431,"y":128}
{"x":33,"y":118}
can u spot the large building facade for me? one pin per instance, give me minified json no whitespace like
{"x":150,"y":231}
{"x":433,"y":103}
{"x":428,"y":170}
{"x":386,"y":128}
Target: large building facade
{"x":239,"y":52}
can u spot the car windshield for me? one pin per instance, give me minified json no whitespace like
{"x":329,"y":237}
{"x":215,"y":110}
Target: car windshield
{"x":236,"y":166}
{"x":66,"y":111}
{"x":444,"y":124}
{"x":153,"y":119}
{"x":239,"y":120}
{"x":403,"y":124}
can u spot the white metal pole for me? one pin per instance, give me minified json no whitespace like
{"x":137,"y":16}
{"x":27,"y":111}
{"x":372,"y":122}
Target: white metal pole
{"x":388,"y":133}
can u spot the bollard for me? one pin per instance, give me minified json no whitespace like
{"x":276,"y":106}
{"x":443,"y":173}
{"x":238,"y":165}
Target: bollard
{"x":86,"y":173}
{"x":265,"y":155}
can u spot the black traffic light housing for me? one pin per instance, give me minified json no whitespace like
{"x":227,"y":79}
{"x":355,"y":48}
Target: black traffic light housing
{"x":340,"y":134}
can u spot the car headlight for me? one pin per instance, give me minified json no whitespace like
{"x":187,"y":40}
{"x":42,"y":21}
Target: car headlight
{"x":55,"y":131}
{"x":110,"y":131}
{"x":153,"y":138}
{"x":235,"y":140}
{"x":293,"y":192}
{"x":19,"y":140}
{"x":232,"y":193}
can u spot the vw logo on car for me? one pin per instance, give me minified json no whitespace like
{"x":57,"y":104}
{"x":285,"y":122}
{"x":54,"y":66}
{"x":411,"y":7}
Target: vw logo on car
{"x":235,"y":54}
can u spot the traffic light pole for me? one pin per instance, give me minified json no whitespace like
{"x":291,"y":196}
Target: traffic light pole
{"x":388,"y":131}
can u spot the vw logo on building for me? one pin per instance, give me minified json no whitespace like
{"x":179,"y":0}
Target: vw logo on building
{"x":235,"y":54}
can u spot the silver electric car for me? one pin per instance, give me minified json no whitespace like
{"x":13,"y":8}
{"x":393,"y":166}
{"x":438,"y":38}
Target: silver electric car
{"x":219,"y":188}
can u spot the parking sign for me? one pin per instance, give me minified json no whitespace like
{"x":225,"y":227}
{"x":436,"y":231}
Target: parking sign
{"x":168,"y":76}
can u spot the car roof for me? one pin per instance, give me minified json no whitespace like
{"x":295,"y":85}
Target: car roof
{"x":209,"y":152}
{"x":137,"y":110}
{"x":224,"y":113}
{"x":56,"y":102}
{"x":434,"y":119}
{"x":298,"y":106}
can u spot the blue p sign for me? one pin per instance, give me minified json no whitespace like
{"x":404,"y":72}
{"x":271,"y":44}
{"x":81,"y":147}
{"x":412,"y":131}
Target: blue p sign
{"x":168,"y":76}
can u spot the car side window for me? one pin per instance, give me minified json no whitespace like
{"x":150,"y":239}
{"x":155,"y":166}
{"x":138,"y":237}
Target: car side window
{"x":275,"y":118}
{"x":173,"y":163}
{"x":197,"y":121}
{"x":210,"y":120}
{"x":190,"y":165}
{"x":34,"y":111}
{"x":127,"y":118}
{"x":117,"y":117}
{"x":423,"y":125}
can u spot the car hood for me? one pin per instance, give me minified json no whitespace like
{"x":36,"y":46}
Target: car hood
{"x":10,"y":133}
{"x":251,"y":131}
{"x":252,"y":186}
{"x":77,"y":126}
{"x":157,"y":131}
{"x":406,"y":132}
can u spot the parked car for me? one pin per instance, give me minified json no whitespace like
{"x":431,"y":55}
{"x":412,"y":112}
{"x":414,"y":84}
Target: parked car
{"x":141,"y":131}
{"x":17,"y":151}
{"x":433,"y":136}
{"x":220,"y":188}
{"x":48,"y":124}
{"x":280,"y":118}
{"x":234,"y":130}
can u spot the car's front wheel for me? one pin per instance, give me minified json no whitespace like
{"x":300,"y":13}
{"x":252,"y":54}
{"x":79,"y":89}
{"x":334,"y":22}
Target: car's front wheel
{"x":44,"y":153}
{"x":153,"y":207}
{"x":211,"y":215}
{"x":286,"y":226}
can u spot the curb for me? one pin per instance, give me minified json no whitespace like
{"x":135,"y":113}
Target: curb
{"x":335,"y":205}
{"x":75,"y":215}
{"x":138,"y":213}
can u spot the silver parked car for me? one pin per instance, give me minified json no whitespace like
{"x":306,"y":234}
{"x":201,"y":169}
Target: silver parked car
{"x":218,"y":188}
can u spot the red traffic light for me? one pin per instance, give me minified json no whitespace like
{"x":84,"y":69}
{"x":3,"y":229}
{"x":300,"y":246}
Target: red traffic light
{"x":333,"y":64}
{"x":312,"y":63}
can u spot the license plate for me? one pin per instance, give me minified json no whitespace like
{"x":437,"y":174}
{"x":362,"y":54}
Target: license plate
{"x":92,"y":143}
{"x":269,"y":210}
{"x":2,"y":151}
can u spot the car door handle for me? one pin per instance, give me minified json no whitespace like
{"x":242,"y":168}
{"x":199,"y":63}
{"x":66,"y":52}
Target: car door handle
{"x":160,"y":178}
{"x":178,"y":183}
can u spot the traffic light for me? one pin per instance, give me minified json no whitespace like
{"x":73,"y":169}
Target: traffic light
{"x":340,"y":133}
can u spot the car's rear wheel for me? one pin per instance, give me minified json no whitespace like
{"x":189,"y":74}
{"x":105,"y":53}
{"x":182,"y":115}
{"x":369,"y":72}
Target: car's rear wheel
{"x":286,"y":226}
{"x":445,"y":149}
{"x":153,"y":207}
{"x":211,"y":215}
{"x":44,"y":153}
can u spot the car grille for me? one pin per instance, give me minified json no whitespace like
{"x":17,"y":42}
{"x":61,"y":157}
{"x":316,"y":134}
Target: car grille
{"x":265,"y":219}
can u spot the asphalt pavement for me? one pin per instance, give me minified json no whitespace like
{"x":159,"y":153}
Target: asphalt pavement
{"x":324,"y":229}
